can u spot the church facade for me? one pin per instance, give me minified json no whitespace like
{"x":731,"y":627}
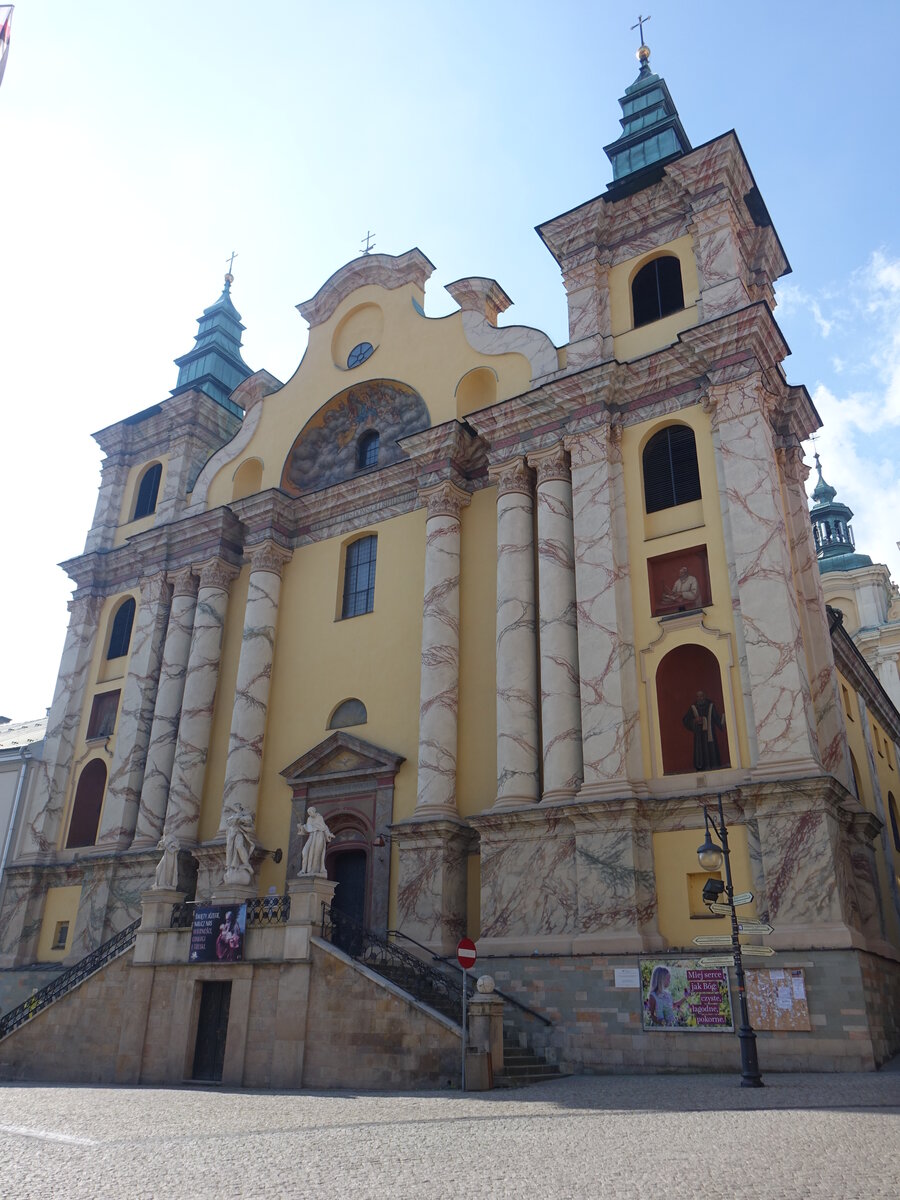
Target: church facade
{"x":509,"y":615}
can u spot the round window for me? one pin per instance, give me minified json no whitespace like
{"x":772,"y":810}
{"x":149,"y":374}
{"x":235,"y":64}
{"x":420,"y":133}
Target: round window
{"x":360,"y":353}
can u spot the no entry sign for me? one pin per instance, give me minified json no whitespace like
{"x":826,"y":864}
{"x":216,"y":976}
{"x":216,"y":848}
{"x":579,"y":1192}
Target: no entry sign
{"x":466,"y":953}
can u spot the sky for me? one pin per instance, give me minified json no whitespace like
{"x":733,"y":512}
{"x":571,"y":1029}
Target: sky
{"x":140,"y":144}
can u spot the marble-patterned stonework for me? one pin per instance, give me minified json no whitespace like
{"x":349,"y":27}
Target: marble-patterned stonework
{"x":719,"y":259}
{"x":387,"y":271}
{"x":431,"y":881}
{"x":326,"y":449}
{"x":169,"y":694}
{"x":615,"y":877}
{"x":251,"y":696}
{"x":605,"y":649}
{"x":123,"y":792}
{"x":189,"y":767}
{"x":528,"y":876}
{"x":767,"y":609}
{"x":114,"y":472}
{"x":481,"y":300}
{"x":517,"y":717}
{"x":590,"y":322}
{"x":51,"y":774}
{"x":439,"y":688}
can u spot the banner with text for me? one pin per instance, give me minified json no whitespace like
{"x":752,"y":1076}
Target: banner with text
{"x":679,"y":994}
{"x":217,"y":934}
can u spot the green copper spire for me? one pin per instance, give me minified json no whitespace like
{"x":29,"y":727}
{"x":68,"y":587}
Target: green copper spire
{"x":835,"y":548}
{"x":215,"y":365}
{"x":652,"y":134}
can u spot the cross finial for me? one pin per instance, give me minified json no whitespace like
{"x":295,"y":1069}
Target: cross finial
{"x":640,"y":25}
{"x":231,"y":261}
{"x":370,"y":245}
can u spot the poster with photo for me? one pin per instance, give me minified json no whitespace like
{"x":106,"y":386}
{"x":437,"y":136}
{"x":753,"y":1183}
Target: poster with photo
{"x":680,"y":994}
{"x":217,"y":934}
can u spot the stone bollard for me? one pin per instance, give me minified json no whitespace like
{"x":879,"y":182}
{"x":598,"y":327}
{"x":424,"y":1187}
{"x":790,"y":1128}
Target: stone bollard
{"x":486,"y":1022}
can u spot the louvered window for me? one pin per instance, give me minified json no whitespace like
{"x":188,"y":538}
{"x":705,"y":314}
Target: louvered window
{"x":671,"y":475}
{"x":120,"y":638}
{"x":359,"y":577}
{"x":656,"y":290}
{"x":148,"y":492}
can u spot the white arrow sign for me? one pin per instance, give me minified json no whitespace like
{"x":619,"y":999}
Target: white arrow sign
{"x":713,"y":939}
{"x":754,"y":927}
{"x":717,"y":960}
{"x":743,"y":898}
{"x":724,"y":909}
{"x":757,"y":951}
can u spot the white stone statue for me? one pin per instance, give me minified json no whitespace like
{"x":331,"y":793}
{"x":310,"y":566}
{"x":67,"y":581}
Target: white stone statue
{"x":312,"y":861}
{"x":484,"y":984}
{"x":167,"y":867}
{"x":239,"y":845}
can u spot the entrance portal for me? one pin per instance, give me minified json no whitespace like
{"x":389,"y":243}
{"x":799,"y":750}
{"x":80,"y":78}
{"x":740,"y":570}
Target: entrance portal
{"x":212,"y":1028}
{"x":348,"y":870}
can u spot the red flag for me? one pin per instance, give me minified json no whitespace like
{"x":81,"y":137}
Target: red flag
{"x":6,"y":12}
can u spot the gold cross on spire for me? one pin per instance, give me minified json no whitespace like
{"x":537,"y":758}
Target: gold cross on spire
{"x":640,"y":25}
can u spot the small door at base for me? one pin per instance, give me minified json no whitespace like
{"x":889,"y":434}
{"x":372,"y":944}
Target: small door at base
{"x":349,"y":872}
{"x":212,"y":1029}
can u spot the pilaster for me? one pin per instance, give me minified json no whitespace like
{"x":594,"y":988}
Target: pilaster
{"x":432,"y":880}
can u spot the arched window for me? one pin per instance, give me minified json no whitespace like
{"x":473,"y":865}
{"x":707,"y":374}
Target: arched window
{"x":359,"y":577}
{"x":349,"y":712}
{"x":689,"y":699}
{"x":88,"y":802}
{"x":895,"y":823}
{"x":247,"y":479}
{"x":148,"y":491}
{"x":671,"y":474}
{"x":656,"y":290}
{"x":120,"y":637}
{"x":367,"y":454}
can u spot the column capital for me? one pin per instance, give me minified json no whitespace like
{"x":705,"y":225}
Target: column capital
{"x":594,"y":445}
{"x":445,"y":499}
{"x":512,"y":476}
{"x":268,"y":556}
{"x":550,"y":464}
{"x":184,"y":582}
{"x":215,"y":573}
{"x":154,"y":587}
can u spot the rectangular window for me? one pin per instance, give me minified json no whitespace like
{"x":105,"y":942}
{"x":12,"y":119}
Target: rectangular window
{"x":359,"y":577}
{"x":60,"y":935}
{"x":846,"y":696}
{"x":102,"y":720}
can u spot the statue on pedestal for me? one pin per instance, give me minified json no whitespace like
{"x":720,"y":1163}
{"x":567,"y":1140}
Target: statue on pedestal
{"x":167,"y":867}
{"x":239,"y":845}
{"x":312,"y":861}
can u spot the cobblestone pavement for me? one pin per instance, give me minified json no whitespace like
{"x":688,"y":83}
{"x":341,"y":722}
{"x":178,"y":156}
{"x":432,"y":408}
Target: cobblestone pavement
{"x":654,"y":1137}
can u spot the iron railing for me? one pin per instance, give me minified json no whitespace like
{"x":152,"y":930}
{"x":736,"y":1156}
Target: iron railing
{"x":263,"y":910}
{"x":423,"y":982}
{"x":69,"y":979}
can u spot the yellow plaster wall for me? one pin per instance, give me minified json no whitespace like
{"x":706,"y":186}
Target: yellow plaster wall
{"x":674,"y":858}
{"x":629,"y":343}
{"x":60,"y":904}
{"x":127,"y":527}
{"x":430,"y":354}
{"x":683,"y":526}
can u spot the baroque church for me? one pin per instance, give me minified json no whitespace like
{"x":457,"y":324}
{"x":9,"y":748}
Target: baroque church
{"x":510,"y":616}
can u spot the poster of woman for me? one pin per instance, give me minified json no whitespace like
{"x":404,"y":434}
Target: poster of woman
{"x":679,"y":994}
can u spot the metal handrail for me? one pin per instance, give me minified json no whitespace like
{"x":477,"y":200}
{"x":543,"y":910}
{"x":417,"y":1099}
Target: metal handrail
{"x":423,"y":982}
{"x":261,"y":910}
{"x":70,"y":978}
{"x":444,"y":958}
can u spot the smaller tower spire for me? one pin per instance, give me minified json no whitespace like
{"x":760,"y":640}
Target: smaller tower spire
{"x":215,"y":365}
{"x":833,"y":534}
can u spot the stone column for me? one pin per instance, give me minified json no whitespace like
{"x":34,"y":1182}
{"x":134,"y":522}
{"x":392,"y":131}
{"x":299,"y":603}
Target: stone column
{"x":48,"y":791}
{"x":753,"y":517}
{"x":189,"y":767}
{"x":251,"y":695}
{"x":518,"y":780}
{"x":135,"y":718}
{"x":609,"y":713}
{"x":560,"y":696}
{"x":439,"y":691}
{"x":164,"y":731}
{"x":829,"y":719}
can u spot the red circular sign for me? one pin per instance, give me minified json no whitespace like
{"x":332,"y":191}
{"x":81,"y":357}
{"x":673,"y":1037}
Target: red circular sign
{"x":466,"y":953}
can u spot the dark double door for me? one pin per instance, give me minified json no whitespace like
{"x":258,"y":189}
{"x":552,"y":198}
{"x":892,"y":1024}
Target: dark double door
{"x":348,"y":870}
{"x":212,"y":1029}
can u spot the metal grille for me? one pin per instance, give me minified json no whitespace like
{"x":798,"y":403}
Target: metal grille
{"x":69,"y":979}
{"x":264,"y":910}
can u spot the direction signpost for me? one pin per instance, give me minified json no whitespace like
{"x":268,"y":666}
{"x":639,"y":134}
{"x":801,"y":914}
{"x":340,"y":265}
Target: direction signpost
{"x":717,"y":960}
{"x":466,"y":956}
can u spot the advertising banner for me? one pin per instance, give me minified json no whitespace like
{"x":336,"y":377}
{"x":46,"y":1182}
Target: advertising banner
{"x":217,"y":934}
{"x":679,"y":994}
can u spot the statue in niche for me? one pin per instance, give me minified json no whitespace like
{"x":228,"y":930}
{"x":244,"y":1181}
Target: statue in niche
{"x":239,"y":845}
{"x":167,"y":867}
{"x":684,"y":592}
{"x":312,"y":861}
{"x":703,"y":720}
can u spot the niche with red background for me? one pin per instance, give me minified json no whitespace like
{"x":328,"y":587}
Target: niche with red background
{"x":664,"y":571}
{"x":683,"y":673}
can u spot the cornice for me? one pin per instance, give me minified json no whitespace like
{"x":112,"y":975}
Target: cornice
{"x":849,"y":659}
{"x":381,"y":270}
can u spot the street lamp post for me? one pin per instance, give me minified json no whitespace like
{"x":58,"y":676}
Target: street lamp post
{"x":711,"y":856}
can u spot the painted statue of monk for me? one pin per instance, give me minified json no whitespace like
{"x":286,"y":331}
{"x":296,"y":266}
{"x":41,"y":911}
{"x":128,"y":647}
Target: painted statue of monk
{"x":703,"y":720}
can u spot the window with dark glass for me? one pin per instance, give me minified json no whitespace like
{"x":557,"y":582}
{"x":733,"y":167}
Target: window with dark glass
{"x":671,"y":474}
{"x":367,"y":454}
{"x":359,"y":577}
{"x":102,"y":720}
{"x":88,"y":802}
{"x":656,"y":290}
{"x":350,"y":712}
{"x":120,"y":638}
{"x":148,"y":492}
